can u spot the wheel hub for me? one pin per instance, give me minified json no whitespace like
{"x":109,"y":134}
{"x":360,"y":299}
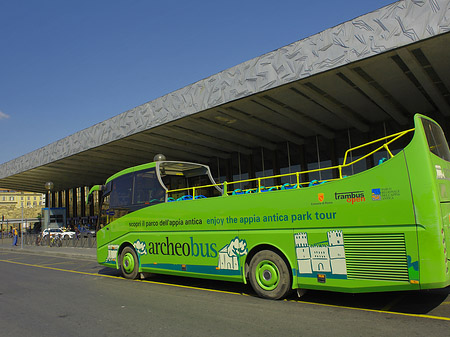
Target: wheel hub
{"x":128,"y":263}
{"x":267,"y":275}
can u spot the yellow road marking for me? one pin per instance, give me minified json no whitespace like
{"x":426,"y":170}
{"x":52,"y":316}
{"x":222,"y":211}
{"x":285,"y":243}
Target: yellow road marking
{"x":15,"y":258}
{"x":58,"y":269}
{"x":117,"y":277}
{"x":234,"y":293}
{"x":383,"y":312}
{"x":65,"y":262}
{"x":378,"y":311}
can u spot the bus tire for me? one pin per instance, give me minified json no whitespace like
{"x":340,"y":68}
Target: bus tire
{"x":129,"y":263}
{"x":269,"y":275}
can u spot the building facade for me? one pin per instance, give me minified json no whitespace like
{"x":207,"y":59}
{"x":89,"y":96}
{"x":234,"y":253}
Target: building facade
{"x":12,"y":202}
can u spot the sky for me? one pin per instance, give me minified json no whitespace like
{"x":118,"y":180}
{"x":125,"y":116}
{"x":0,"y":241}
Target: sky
{"x":66,"y":65}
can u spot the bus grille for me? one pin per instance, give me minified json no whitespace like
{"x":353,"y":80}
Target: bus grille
{"x":376,"y":257}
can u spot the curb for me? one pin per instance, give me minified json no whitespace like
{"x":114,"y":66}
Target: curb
{"x":74,"y":255}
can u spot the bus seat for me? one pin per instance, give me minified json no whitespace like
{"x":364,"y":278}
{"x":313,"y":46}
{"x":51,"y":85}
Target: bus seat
{"x":381,"y":161}
{"x":237,"y":192}
{"x":288,"y":186}
{"x":313,"y":183}
{"x":200,"y":197}
{"x":185,"y":197}
{"x":251,"y":190}
{"x":274,"y":188}
{"x":170,"y":199}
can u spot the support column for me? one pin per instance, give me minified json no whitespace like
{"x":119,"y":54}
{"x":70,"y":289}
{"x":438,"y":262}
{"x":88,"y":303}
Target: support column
{"x":250,"y":167}
{"x":53,"y":203}
{"x":99,"y":213}
{"x":92,"y":205}
{"x":303,"y":163}
{"x":229,"y":170}
{"x":83,"y":201}
{"x":276,"y":167}
{"x":74,"y":202}
{"x":334,"y":158}
{"x":67,"y":203}
{"x":60,"y":203}
{"x":369,"y":160}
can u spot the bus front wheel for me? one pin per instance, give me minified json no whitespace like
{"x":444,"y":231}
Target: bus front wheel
{"x":129,"y":264}
{"x":269,"y":275}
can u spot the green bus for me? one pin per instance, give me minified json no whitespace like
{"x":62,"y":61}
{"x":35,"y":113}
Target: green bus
{"x":383,"y":229}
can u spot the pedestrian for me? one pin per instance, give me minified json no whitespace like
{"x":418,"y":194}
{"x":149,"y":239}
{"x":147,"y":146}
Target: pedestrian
{"x":15,"y":236}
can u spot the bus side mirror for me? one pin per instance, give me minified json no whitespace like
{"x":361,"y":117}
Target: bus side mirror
{"x":89,"y":200}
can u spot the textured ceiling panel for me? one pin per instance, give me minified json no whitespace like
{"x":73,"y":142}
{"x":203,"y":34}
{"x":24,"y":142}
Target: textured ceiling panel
{"x":395,"y":25}
{"x":352,"y":75}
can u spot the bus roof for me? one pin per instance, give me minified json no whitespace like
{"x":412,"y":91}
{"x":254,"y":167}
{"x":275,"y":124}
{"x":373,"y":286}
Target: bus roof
{"x":167,"y":167}
{"x":131,"y":169}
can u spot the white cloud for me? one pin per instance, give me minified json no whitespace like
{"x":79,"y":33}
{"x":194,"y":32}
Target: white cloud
{"x":3,"y":115}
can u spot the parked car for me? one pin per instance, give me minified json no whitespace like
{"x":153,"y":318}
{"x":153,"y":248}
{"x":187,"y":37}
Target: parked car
{"x":58,"y":231}
{"x":84,"y":232}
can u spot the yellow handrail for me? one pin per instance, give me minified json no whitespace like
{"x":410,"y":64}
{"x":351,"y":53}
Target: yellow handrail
{"x":298,"y":184}
{"x":385,"y":145}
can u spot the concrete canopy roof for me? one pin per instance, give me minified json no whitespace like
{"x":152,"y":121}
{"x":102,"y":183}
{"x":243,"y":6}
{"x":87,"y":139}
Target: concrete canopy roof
{"x":385,"y":65}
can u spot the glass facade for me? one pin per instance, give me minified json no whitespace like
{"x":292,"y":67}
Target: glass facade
{"x":316,"y":152}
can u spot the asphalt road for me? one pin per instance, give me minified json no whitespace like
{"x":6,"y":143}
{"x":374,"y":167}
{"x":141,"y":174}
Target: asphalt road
{"x":55,"y":296}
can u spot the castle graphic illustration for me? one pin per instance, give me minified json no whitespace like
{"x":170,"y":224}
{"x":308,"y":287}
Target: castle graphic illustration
{"x":321,"y":259}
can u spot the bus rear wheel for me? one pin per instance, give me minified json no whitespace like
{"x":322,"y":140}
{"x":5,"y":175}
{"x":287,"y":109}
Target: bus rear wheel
{"x":269,"y":275}
{"x":129,"y":264}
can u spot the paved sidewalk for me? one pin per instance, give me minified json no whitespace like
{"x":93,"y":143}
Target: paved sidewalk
{"x":72,"y":252}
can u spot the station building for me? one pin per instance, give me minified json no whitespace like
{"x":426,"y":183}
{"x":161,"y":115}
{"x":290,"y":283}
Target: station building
{"x":296,"y":108}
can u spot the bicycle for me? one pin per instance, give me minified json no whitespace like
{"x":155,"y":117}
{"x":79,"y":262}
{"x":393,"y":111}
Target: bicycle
{"x":55,"y":241}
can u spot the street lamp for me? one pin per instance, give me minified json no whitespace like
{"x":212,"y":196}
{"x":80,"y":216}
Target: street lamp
{"x":49,"y":187}
{"x":21,"y":227}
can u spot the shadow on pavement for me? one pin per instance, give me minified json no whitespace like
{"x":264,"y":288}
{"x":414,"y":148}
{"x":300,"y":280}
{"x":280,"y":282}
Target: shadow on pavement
{"x":410,"y":302}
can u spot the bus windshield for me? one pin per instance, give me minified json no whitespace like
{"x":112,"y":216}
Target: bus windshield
{"x":136,"y":189}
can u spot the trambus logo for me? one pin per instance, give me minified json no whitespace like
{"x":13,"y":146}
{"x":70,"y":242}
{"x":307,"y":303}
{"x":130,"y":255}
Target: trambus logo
{"x":351,"y":197}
